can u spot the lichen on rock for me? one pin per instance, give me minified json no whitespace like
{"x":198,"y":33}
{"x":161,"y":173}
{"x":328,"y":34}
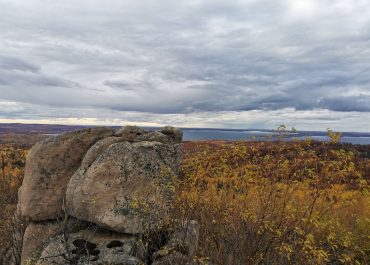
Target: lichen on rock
{"x":116,"y":188}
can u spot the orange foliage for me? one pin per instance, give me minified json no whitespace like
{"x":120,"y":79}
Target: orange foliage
{"x":12,"y":161}
{"x":277,"y":203}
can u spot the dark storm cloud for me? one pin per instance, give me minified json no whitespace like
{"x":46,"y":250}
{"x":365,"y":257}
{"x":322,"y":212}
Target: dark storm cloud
{"x":186,"y":56}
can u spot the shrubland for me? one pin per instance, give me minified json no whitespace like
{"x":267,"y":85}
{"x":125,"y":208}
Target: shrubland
{"x":12,"y":162}
{"x":277,"y":203}
{"x":256,"y":202}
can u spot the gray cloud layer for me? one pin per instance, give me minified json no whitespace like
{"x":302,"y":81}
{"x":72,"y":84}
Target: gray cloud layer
{"x":183,"y":57}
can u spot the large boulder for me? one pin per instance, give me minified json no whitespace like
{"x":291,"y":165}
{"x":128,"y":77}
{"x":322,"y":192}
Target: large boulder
{"x":127,"y":188}
{"x":49,"y":167}
{"x":115,"y":192}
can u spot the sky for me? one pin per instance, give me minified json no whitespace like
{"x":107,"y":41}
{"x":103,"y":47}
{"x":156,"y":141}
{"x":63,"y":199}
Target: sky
{"x":193,"y":63}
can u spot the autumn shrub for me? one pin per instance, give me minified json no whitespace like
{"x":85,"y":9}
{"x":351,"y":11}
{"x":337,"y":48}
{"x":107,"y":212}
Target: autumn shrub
{"x":276,"y":203}
{"x":12,"y":161}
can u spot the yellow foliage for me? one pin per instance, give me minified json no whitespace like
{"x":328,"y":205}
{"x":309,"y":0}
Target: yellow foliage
{"x":276,"y":203}
{"x":12,"y":161}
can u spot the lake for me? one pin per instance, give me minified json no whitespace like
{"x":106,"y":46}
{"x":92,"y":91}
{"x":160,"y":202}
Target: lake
{"x":267,"y":135}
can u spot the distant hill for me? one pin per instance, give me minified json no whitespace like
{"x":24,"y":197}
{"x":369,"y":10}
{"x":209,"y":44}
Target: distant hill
{"x":26,"y":135}
{"x":18,"y":128}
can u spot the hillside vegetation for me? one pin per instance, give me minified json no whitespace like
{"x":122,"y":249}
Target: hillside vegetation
{"x":278,"y":203}
{"x":12,"y":162}
{"x":257,"y":202}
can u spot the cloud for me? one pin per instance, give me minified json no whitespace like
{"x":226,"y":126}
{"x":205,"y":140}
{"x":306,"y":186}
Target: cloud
{"x":12,"y":63}
{"x":186,"y":58}
{"x":306,"y":120}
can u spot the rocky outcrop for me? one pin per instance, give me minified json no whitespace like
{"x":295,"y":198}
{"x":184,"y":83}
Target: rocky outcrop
{"x":117,"y":190}
{"x":49,"y":167}
{"x":123,"y":190}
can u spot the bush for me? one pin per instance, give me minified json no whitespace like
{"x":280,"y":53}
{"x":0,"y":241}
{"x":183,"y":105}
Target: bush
{"x":12,"y":160}
{"x":277,"y":203}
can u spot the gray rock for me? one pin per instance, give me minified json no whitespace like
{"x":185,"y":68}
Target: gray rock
{"x":127,"y":188}
{"x":50,"y":164}
{"x":97,"y":149}
{"x":136,"y":134}
{"x":54,"y":253}
{"x":129,"y":133}
{"x":154,"y":137}
{"x":35,"y":238}
{"x":117,"y":190}
{"x":90,"y":246}
{"x":174,"y":133}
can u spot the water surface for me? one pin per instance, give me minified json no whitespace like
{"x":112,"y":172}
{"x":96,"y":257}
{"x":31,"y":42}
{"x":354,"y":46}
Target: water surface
{"x":267,"y":135}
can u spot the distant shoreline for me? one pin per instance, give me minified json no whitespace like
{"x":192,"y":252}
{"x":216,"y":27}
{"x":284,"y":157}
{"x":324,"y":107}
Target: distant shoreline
{"x":192,"y":134}
{"x":55,"y":127}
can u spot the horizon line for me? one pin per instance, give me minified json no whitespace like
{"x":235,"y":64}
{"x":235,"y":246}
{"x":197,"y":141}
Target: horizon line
{"x":159,"y":126}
